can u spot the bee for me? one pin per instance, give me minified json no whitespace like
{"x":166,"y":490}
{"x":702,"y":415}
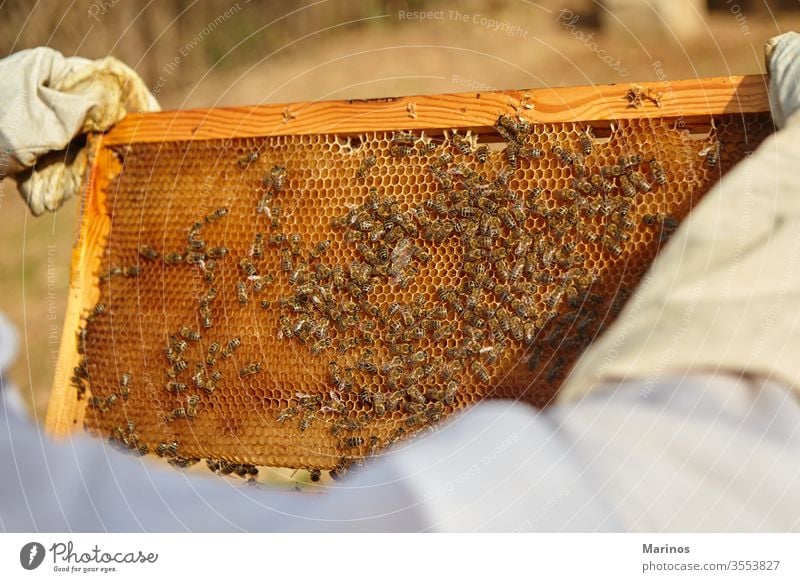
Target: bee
{"x":277,"y":240}
{"x":508,"y":123}
{"x":463,"y":144}
{"x":275,"y":212}
{"x":426,"y":146}
{"x":586,"y":139}
{"x":657,"y":172}
{"x":249,"y":370}
{"x":175,"y":414}
{"x":247,"y":267}
{"x":167,"y":449}
{"x":287,"y":413}
{"x":511,"y":152}
{"x":257,"y":250}
{"x":530,"y":153}
{"x":579,"y":163}
{"x":366,"y":164}
{"x":148,"y":252}
{"x":305,"y":421}
{"x":175,"y":387}
{"x":278,"y":175}
{"x":506,"y":217}
{"x":353,"y":442}
{"x":401,"y":151}
{"x":611,"y":171}
{"x":601,"y":185}
{"x":627,"y":186}
{"x":199,"y":377}
{"x":367,"y":366}
{"x":232,"y":346}
{"x":629,"y":161}
{"x":348,"y":344}
{"x":480,"y":372}
{"x":189,"y":334}
{"x":482,"y":153}
{"x":403,"y":137}
{"x":320,"y":248}
{"x":125,"y":380}
{"x":241,"y":292}
{"x":612,"y":246}
{"x":583,"y":185}
{"x":314,"y":475}
{"x":320,"y":346}
{"x":247,"y":159}
{"x":563,"y":154}
{"x":711,"y":155}
{"x":637,"y":179}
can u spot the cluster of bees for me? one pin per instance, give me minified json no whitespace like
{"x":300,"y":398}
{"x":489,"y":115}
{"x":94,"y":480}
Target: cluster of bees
{"x":409,"y":360}
{"x":376,"y":356}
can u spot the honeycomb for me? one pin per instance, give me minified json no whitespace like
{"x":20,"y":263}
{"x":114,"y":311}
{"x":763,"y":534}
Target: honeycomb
{"x":304,"y":301}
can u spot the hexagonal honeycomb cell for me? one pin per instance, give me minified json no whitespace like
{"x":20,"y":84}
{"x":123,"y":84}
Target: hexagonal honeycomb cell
{"x":305,"y":301}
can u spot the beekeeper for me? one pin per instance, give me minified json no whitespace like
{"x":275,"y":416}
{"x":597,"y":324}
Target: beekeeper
{"x":683,"y":416}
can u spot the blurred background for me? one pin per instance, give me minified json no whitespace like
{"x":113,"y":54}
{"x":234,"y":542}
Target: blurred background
{"x":223,"y":52}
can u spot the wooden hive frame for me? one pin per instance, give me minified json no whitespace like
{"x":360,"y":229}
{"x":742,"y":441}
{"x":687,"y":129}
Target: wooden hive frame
{"x":691,"y":103}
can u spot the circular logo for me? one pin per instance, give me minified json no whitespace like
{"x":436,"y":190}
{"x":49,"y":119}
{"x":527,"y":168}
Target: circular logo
{"x":31,"y":555}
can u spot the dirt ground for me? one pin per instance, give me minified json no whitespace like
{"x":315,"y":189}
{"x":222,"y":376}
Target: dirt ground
{"x":389,"y":52}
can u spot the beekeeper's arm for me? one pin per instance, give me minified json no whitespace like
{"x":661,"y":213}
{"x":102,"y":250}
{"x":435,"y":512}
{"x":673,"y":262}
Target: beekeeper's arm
{"x":47,"y":102}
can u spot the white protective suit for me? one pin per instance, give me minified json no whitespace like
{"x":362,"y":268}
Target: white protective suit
{"x":651,"y":434}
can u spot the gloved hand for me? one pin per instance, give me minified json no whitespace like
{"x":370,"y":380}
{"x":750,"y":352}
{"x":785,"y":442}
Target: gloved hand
{"x":724,"y":295}
{"x":47,"y":102}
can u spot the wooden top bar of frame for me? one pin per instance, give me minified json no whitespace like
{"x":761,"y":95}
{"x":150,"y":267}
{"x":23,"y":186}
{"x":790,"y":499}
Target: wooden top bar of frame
{"x":689,"y":100}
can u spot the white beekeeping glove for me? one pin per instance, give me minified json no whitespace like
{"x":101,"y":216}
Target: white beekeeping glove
{"x":46,"y":101}
{"x":724,"y":295}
